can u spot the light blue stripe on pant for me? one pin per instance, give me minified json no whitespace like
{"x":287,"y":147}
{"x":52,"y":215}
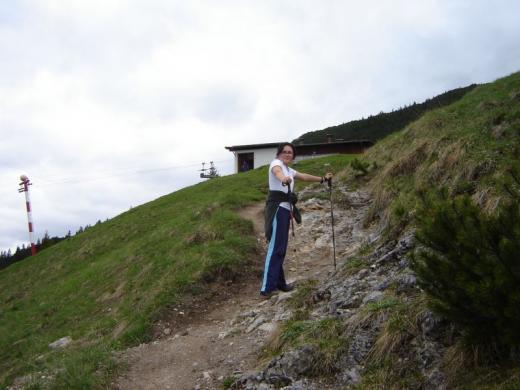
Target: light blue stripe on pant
{"x":269,"y":253}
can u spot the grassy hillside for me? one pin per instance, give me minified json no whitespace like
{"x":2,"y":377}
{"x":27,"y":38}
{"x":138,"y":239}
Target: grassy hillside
{"x":106,"y":286}
{"x":470,"y":148}
{"x":376,"y":127}
{"x":467,"y":147}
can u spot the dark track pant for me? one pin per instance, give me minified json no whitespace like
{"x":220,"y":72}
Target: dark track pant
{"x":274,"y":277}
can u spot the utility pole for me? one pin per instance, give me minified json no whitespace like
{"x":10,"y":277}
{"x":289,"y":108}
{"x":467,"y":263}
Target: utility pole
{"x":24,"y":187}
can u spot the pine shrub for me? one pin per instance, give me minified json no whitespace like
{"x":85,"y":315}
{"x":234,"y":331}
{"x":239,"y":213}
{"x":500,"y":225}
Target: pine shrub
{"x":469,"y":263}
{"x":360,"y":166}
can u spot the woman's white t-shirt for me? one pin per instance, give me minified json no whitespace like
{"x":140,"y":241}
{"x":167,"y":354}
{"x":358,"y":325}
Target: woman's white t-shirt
{"x":275,"y":184}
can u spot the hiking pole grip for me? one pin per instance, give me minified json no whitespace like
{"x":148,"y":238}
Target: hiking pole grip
{"x":329,"y":182}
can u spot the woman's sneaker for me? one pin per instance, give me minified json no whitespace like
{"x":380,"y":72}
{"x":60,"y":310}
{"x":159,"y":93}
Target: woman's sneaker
{"x":287,"y":288}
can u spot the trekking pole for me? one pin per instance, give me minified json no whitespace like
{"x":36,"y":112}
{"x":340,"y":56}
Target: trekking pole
{"x":329,"y":182}
{"x":290,"y":205}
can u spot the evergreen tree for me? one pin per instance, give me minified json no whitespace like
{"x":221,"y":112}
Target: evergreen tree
{"x":469,"y":263}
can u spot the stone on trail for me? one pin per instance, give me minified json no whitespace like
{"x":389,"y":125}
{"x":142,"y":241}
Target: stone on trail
{"x":256,"y":323}
{"x":60,"y":343}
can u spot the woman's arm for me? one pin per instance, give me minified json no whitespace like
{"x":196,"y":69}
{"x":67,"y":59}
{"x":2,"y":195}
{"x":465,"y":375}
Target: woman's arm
{"x":277,"y":171}
{"x":307,"y":177}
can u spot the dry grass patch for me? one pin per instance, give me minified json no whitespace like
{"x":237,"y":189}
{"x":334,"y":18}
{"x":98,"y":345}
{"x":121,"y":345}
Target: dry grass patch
{"x":466,"y":366}
{"x":400,"y":323}
{"x":408,"y":163}
{"x":382,"y":197}
{"x":449,"y":156}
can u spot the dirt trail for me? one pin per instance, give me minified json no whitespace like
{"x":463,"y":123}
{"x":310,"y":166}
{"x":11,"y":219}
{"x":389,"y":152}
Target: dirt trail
{"x":202,"y":349}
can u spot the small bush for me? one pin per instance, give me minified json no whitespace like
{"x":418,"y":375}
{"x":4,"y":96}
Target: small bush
{"x":469,"y":263}
{"x":360,"y":166}
{"x":228,"y":382}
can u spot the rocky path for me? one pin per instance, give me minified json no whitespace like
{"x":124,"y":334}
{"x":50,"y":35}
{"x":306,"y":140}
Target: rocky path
{"x":205,"y":349}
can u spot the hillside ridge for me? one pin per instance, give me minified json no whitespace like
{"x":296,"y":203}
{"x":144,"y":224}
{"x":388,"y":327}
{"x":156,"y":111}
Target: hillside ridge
{"x":378,"y":126}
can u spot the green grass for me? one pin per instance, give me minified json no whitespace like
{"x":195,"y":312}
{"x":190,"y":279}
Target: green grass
{"x":319,"y":166}
{"x":352,"y":266}
{"x":390,"y":374}
{"x":385,"y":366}
{"x":466,"y":147}
{"x":327,"y":334}
{"x":106,"y":286}
{"x":228,"y":382}
{"x":302,"y":297}
{"x":383,"y":304}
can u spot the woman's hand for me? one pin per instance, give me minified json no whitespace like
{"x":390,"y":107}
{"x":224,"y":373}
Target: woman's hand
{"x":286,"y":180}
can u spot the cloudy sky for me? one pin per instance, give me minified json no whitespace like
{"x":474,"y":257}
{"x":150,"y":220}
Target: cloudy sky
{"x":108,"y":104}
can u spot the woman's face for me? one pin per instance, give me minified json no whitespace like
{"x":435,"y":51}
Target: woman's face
{"x":286,"y":155}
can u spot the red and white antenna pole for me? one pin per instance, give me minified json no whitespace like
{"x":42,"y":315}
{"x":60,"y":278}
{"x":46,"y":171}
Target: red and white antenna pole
{"x":24,"y":187}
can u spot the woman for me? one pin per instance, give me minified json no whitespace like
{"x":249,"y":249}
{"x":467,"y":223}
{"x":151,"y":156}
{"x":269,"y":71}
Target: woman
{"x":278,"y":216}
